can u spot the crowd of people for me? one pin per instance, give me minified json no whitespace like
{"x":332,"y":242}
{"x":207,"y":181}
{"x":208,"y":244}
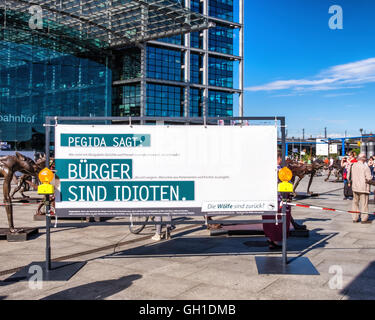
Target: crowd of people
{"x":358,"y":175}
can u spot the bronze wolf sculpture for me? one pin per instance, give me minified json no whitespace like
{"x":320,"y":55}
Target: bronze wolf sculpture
{"x":300,"y":170}
{"x":339,"y":170}
{"x":25,"y":181}
{"x":9,"y":165}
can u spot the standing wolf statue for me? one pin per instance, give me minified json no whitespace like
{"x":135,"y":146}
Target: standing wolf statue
{"x":300,"y":170}
{"x":337,"y":168}
{"x":25,"y":181}
{"x":9,"y":165}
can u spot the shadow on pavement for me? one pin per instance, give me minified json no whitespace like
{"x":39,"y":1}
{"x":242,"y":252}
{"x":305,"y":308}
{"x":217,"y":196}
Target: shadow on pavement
{"x":317,"y":240}
{"x":29,"y":236}
{"x":96,"y":290}
{"x":2,"y":297}
{"x":236,"y":245}
{"x":363,"y":286}
{"x":190,"y":231}
{"x":301,"y":221}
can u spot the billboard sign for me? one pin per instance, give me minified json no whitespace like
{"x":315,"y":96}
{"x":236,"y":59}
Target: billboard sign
{"x":114,"y":170}
{"x":333,"y":149}
{"x":321,"y":147}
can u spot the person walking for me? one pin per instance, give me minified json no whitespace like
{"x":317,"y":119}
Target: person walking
{"x":358,"y":175}
{"x":370,"y":164}
{"x":331,"y":162}
{"x":348,"y":192}
{"x":345,"y":164}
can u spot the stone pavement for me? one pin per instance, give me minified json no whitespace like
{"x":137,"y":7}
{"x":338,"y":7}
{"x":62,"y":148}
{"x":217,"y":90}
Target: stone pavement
{"x":195,"y":266}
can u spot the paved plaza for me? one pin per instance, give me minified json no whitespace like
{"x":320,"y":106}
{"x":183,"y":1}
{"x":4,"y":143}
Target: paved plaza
{"x":193,"y":265}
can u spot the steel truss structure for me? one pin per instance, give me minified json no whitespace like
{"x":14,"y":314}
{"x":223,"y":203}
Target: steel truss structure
{"x":81,"y":26}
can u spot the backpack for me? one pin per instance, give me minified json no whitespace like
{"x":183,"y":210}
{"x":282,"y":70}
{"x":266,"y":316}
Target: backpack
{"x":348,"y":191}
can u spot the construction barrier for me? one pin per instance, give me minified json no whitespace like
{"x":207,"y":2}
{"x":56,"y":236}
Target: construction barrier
{"x":325,"y":209}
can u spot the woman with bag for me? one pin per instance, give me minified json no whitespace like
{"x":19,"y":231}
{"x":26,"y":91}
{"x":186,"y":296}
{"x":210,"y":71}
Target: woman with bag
{"x":344,"y":164}
{"x":348,"y":192}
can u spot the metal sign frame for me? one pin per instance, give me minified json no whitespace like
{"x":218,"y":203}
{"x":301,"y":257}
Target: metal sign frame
{"x":53,"y":121}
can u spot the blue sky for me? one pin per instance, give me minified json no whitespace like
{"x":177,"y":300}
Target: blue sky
{"x":296,"y":66}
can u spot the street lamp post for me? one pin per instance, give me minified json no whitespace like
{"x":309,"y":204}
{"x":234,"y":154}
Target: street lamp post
{"x":293,"y":147}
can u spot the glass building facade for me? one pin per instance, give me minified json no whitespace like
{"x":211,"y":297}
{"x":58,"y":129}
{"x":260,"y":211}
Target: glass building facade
{"x":189,"y":75}
{"x":164,"y":64}
{"x":72,"y":67}
{"x":164,"y":101}
{"x":36,"y":82}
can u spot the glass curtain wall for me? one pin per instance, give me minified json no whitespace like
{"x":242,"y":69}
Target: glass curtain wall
{"x":36,"y":82}
{"x":170,"y":80}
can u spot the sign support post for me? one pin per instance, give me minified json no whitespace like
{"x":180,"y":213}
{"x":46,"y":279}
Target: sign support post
{"x":284,"y":220}
{"x":48,"y":235}
{"x":47,"y":203}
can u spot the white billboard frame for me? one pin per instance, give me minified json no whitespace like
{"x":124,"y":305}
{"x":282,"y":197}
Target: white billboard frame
{"x":53,"y":122}
{"x":90,"y":145}
{"x":322,"y":148}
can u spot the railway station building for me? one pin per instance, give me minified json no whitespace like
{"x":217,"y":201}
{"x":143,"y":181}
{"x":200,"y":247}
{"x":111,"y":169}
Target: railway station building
{"x":160,"y":58}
